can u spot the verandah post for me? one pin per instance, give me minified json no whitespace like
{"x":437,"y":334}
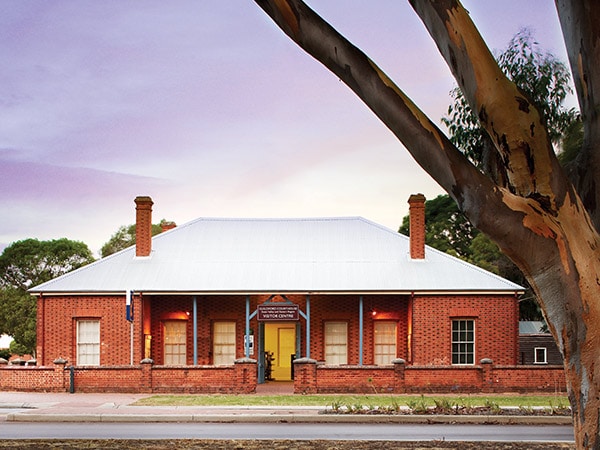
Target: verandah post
{"x":360,"y":330}
{"x":195,"y":332}
{"x":307,"y":326}
{"x":247,"y":335}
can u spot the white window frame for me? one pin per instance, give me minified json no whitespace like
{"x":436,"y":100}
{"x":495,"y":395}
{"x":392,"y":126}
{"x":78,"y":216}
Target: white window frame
{"x":463,"y":342}
{"x":175,"y":344}
{"x":88,"y":342}
{"x":336,"y":342}
{"x":535,"y":355}
{"x":384,"y":342}
{"x":224,"y":342}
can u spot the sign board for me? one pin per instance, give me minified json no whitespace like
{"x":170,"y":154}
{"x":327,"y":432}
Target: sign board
{"x":278,"y":312}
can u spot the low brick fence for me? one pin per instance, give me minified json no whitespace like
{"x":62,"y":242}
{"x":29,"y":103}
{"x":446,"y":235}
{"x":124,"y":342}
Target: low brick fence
{"x":309,"y":378}
{"x":312,"y":377}
{"x":239,"y":378}
{"x":32,"y":378}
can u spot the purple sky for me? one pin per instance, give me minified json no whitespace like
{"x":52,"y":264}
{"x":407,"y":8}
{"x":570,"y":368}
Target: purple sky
{"x":208,"y":108}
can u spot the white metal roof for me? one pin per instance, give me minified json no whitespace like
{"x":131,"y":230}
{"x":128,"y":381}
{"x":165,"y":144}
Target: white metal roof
{"x":212,"y":255}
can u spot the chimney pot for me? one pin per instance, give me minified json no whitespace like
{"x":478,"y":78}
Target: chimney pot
{"x":143,"y":226}
{"x":416,"y":213}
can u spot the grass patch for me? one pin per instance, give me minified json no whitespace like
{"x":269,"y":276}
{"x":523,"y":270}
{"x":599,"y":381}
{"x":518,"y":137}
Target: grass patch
{"x":524,"y":401}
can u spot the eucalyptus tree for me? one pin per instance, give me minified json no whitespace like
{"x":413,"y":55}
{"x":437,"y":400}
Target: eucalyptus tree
{"x":544,"y":222}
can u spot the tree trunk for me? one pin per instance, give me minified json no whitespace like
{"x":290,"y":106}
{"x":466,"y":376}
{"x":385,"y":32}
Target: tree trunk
{"x":535,"y":214}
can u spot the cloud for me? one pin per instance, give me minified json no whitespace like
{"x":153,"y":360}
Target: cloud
{"x":48,"y":201}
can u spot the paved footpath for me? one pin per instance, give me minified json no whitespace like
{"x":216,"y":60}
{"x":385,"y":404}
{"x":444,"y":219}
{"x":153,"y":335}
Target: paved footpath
{"x":111,"y":407}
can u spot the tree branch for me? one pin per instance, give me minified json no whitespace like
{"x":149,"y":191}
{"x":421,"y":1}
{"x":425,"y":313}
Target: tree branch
{"x":509,"y":117}
{"x":579,"y":21}
{"x":497,"y":211}
{"x":422,"y":138}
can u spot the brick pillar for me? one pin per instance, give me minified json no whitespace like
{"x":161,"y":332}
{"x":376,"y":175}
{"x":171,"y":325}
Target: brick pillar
{"x":399,"y":367}
{"x":61,"y":375}
{"x":487,"y":375}
{"x":246,"y":375}
{"x":416,"y":213}
{"x":146,"y":381}
{"x":305,"y":376}
{"x":143,"y":226}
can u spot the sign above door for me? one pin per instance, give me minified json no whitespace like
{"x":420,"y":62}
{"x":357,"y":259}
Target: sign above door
{"x":278,"y":312}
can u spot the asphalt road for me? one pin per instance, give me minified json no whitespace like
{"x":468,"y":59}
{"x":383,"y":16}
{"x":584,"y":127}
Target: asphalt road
{"x":371,"y":432}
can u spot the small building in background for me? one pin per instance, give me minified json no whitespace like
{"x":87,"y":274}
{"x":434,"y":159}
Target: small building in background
{"x":536,"y":344}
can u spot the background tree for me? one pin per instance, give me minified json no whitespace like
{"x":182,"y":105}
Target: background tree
{"x":27,"y":263}
{"x":523,"y":200}
{"x":446,"y":228}
{"x":18,"y":349}
{"x":5,"y":353}
{"x":18,"y":312}
{"x":125,"y":237}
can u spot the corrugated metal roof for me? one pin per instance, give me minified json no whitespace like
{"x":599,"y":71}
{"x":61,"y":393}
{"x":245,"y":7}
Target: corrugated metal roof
{"x":216,"y":255}
{"x":531,"y":327}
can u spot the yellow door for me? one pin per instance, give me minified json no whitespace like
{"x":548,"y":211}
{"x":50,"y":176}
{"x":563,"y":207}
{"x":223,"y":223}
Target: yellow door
{"x":280,"y":340}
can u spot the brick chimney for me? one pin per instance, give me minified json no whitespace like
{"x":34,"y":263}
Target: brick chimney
{"x":143,"y":226}
{"x":416,"y":212}
{"x":167,"y":225}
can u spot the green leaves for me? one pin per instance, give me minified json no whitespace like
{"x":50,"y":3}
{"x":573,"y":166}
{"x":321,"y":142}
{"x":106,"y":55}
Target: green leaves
{"x":545,"y":81}
{"x":446,"y":228}
{"x":30,"y":262}
{"x":25,"y":264}
{"x":124,"y":237}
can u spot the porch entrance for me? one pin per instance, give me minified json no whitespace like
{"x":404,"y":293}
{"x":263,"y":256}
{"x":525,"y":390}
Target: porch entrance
{"x":280,"y":348}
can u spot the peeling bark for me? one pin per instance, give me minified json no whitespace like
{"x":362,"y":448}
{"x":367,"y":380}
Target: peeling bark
{"x":579,"y":21}
{"x":530,"y":209}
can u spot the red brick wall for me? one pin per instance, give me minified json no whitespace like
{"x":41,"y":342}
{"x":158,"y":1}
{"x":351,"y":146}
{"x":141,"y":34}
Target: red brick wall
{"x":196,"y":379}
{"x":323,"y":308}
{"x":496,"y":322}
{"x":241,"y":378}
{"x":536,"y":378}
{"x":37,"y":379}
{"x":238,"y":378}
{"x":345,"y":308}
{"x":442,"y":379}
{"x":108,"y":379}
{"x":485,"y":378}
{"x":496,"y":327}
{"x":57,"y":328}
{"x":168,"y":308}
{"x":210,"y":309}
{"x":365,"y":379}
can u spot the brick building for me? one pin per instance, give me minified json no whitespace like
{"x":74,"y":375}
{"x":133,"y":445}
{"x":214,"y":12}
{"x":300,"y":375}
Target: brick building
{"x":342,"y":292}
